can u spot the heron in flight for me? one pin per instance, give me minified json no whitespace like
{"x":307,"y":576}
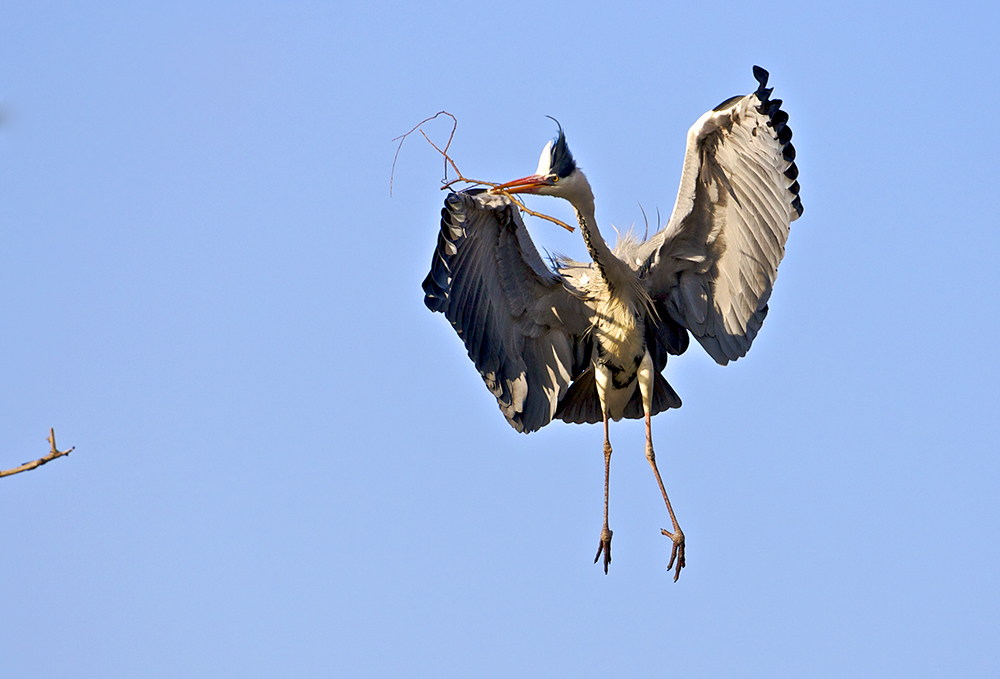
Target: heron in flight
{"x":588,"y":341}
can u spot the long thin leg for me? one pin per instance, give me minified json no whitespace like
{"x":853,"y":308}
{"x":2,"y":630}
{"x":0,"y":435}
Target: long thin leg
{"x":677,"y":552}
{"x":605,"y":544}
{"x":645,"y":379}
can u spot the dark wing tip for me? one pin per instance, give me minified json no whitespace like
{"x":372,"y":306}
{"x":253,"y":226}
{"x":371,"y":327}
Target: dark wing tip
{"x":761,"y":75}
{"x":438,"y":282}
{"x":778,"y":121}
{"x":763,"y":91}
{"x":435,"y":286}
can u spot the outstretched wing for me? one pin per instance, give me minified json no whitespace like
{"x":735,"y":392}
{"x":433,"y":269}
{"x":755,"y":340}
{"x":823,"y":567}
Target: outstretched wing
{"x":713,"y":265}
{"x":526,"y":332}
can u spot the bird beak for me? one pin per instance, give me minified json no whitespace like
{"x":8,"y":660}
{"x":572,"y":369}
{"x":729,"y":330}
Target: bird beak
{"x":529,"y":184}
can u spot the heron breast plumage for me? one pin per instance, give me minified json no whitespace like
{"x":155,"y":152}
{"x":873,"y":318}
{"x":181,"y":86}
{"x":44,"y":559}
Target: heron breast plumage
{"x":619,"y":333}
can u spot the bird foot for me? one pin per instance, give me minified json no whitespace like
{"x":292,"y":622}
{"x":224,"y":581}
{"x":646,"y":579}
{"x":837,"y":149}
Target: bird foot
{"x":605,"y":546}
{"x":677,"y":552}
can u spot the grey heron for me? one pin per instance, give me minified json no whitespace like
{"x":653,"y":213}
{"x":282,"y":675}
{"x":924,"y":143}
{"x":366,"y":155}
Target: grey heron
{"x":587,"y":342}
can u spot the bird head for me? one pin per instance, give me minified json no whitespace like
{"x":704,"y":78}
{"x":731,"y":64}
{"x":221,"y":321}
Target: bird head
{"x":557,"y":173}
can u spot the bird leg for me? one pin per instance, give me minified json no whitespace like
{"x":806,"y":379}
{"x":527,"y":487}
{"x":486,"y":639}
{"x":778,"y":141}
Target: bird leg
{"x":605,"y":544}
{"x":645,"y":377}
{"x":677,"y":552}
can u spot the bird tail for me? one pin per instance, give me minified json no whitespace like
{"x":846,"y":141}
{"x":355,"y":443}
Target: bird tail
{"x":580,"y":405}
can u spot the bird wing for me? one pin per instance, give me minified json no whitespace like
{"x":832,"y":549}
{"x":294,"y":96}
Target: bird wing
{"x":713,"y":265}
{"x":524,"y":328}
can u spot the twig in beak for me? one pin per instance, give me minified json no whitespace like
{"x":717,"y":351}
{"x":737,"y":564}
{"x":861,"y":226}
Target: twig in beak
{"x":462,"y":178}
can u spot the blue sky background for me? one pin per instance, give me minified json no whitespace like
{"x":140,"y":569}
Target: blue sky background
{"x":286,"y":466}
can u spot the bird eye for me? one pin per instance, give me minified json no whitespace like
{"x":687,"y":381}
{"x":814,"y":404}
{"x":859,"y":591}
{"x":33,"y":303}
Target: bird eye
{"x":555,"y":179}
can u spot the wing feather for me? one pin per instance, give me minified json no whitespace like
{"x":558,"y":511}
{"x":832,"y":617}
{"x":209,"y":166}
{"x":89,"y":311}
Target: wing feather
{"x":715,"y":262}
{"x":527,"y":334}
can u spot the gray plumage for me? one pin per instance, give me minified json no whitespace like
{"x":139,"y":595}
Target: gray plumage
{"x":587,"y":342}
{"x":709,"y":272}
{"x":527,"y":333}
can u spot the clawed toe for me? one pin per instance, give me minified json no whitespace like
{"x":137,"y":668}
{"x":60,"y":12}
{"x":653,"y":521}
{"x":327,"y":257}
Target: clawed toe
{"x":676,"y":552}
{"x":605,"y":548}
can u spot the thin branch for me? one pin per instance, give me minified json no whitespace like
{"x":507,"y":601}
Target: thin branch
{"x":402,"y":138}
{"x":27,"y":466}
{"x":447,"y":158}
{"x":462,"y":178}
{"x":538,"y":214}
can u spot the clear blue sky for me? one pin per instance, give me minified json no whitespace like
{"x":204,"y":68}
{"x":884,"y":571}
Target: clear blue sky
{"x":286,"y":466}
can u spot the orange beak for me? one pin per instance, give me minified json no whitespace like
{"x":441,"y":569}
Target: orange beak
{"x":529,"y":184}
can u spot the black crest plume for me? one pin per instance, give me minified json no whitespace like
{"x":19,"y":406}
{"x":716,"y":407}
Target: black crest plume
{"x":562,"y":163}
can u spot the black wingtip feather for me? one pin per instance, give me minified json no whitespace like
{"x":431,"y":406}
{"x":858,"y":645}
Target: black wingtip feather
{"x":778,"y":120}
{"x":435,"y":286}
{"x":761,"y":76}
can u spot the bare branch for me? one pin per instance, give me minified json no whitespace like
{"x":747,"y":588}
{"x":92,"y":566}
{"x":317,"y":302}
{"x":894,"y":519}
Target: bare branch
{"x":416,"y":127}
{"x":27,"y":466}
{"x":462,"y":178}
{"x":447,"y":159}
{"x":538,"y":214}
